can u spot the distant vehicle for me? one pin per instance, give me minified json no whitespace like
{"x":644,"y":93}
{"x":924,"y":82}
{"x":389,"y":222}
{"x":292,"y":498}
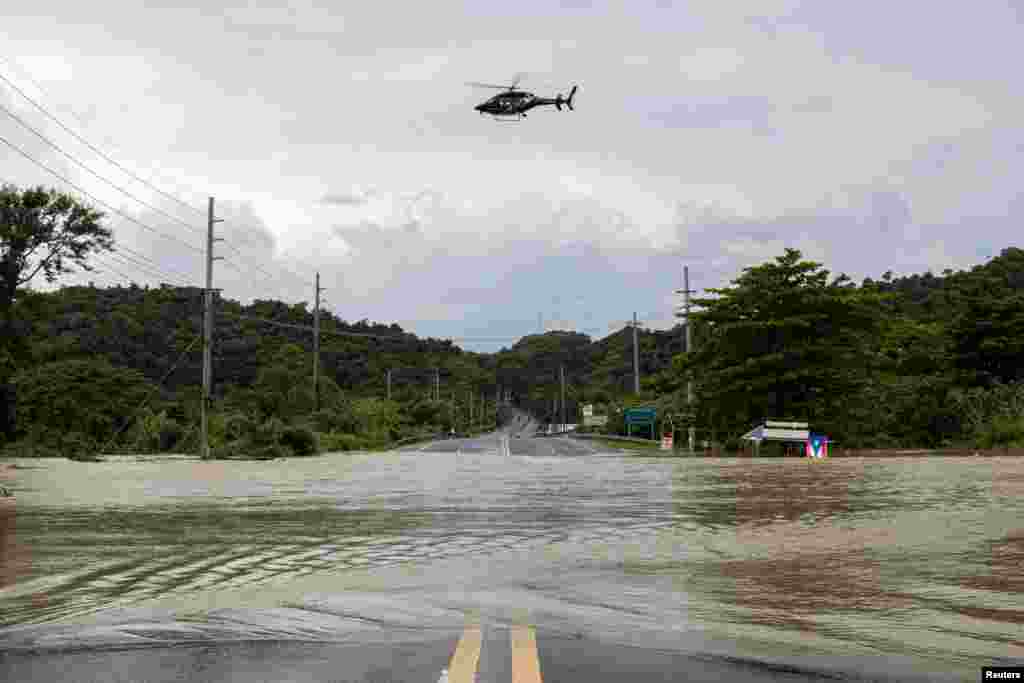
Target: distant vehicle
{"x":513,"y":103}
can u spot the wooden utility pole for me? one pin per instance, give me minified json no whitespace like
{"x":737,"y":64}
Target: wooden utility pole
{"x":316,"y":343}
{"x":561,"y":369}
{"x":689,"y":380}
{"x":636,"y":359}
{"x":686,"y":292}
{"x":207,"y":335}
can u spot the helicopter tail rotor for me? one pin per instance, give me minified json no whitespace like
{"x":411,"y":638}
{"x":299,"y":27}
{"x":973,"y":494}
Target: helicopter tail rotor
{"x":568,"y":101}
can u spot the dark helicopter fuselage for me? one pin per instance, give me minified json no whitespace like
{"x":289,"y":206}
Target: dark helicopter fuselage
{"x":518,"y":102}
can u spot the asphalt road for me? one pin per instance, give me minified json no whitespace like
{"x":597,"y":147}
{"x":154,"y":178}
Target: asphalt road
{"x":500,"y":653}
{"x":516,"y":437}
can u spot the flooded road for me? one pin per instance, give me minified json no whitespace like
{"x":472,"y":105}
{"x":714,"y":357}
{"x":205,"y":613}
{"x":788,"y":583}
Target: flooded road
{"x":327,"y":568}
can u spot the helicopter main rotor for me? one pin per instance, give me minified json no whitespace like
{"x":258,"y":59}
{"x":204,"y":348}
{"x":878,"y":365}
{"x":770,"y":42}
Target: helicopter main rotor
{"x":497,"y":87}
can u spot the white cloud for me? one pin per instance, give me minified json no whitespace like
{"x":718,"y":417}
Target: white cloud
{"x":718,"y":132}
{"x":711,"y":63}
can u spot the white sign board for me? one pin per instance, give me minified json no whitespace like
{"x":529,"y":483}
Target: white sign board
{"x":776,"y":424}
{"x":595,"y":420}
{"x":785,"y":434}
{"x":588,"y":410}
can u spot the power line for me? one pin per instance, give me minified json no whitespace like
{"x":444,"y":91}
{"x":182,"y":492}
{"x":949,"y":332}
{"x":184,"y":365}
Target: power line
{"x":107,"y":181}
{"x":93,"y":197}
{"x":143,"y":262}
{"x":148,"y":260}
{"x":150,"y":270}
{"x":107,"y":266}
{"x":91,"y":146}
{"x":114,"y":163}
{"x":152,"y":391}
{"x":94,"y":173}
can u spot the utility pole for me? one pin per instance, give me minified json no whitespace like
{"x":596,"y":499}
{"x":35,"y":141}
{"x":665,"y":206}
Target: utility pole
{"x":207,"y":334}
{"x":561,"y":369}
{"x":316,"y":343}
{"x":686,"y":292}
{"x":636,"y":359}
{"x":389,"y":384}
{"x":437,"y":384}
{"x":689,"y":380}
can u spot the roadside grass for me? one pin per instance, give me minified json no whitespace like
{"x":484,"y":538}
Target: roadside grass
{"x":630,"y":445}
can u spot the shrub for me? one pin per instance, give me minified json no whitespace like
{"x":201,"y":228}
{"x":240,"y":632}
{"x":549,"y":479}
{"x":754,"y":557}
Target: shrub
{"x":238,"y":426}
{"x":267,"y":433}
{"x":301,"y":440}
{"x":337,"y":441}
{"x":1001,"y":432}
{"x":267,"y":452}
{"x":230,"y":450}
{"x":75,"y":445}
{"x":171,"y":434}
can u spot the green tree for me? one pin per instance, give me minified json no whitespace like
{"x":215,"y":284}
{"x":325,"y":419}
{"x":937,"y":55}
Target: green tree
{"x":284,"y":386}
{"x":42,"y":232}
{"x":989,"y":335}
{"x":90,"y":398}
{"x":784,"y":342}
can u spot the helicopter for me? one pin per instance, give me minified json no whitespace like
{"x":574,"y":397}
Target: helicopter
{"x":513,"y":104}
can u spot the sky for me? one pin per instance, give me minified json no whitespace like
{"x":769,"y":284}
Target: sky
{"x":340,"y":137}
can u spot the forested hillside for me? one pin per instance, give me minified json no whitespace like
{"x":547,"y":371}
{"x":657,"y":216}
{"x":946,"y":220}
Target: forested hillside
{"x":921,"y":360}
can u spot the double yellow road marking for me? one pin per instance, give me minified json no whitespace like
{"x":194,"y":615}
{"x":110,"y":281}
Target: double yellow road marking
{"x":462,"y":668}
{"x":525,"y":663}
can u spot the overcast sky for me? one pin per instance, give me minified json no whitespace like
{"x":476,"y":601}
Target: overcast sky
{"x":341,"y":137}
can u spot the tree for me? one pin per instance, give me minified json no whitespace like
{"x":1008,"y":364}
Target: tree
{"x":783,"y":342}
{"x":44,"y":232}
{"x":90,"y":398}
{"x":41,"y":232}
{"x":283,"y":387}
{"x":989,"y":334}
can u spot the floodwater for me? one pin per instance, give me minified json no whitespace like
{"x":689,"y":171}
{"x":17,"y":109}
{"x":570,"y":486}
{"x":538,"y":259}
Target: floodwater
{"x":852,"y":565}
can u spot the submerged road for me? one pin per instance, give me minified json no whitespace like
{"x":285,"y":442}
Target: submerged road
{"x":510,"y":558}
{"x":518,"y":436}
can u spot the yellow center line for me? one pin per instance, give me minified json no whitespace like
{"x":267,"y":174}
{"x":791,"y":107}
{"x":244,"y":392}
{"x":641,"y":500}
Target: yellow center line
{"x":462,"y":668}
{"x":525,"y":665}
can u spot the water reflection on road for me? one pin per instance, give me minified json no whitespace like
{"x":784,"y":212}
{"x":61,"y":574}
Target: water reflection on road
{"x":918,"y":557}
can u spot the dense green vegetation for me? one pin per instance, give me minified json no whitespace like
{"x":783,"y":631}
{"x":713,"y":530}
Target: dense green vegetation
{"x":917,"y":361}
